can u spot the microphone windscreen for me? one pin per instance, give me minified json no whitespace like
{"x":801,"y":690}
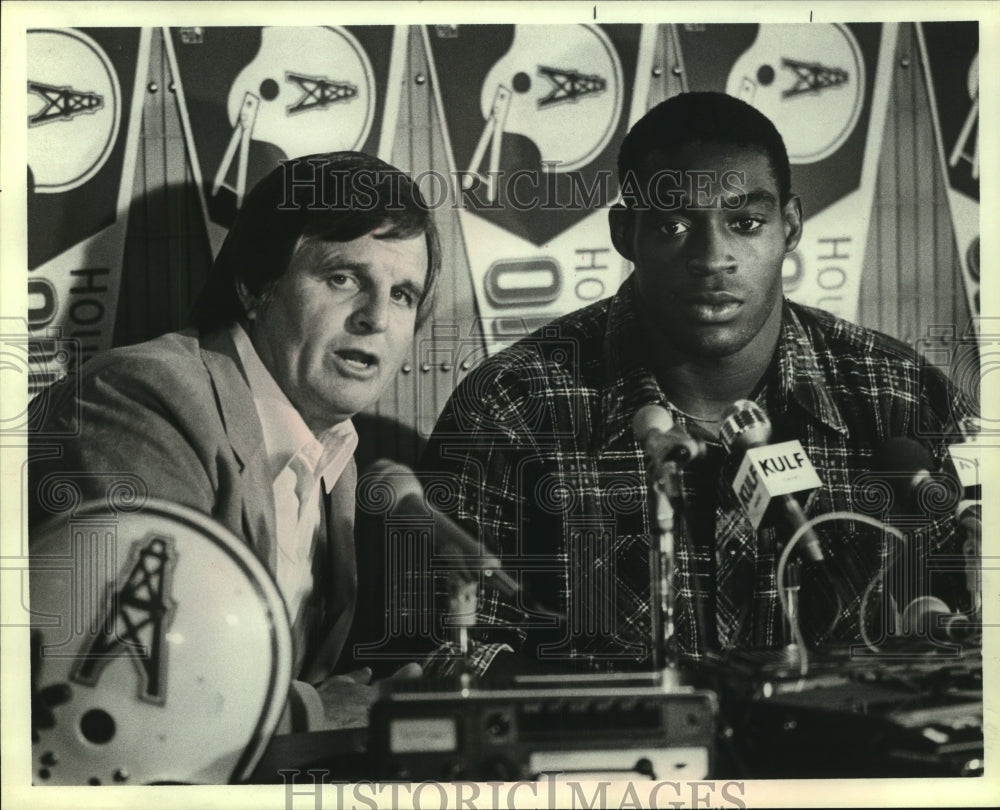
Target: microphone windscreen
{"x":649,"y":418}
{"x":398,"y":477}
{"x":901,"y":455}
{"x":744,"y":425}
{"x":919,"y":489}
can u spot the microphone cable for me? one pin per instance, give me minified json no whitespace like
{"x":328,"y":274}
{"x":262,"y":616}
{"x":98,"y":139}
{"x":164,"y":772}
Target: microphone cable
{"x":799,"y":533}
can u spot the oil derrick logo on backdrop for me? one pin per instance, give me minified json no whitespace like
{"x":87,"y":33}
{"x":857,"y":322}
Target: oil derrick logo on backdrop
{"x":74,"y":109}
{"x":550,"y":103}
{"x":567,"y":114}
{"x":810,"y":82}
{"x":950,"y":55}
{"x":826,"y":88}
{"x":962,"y":150}
{"x":325,"y":103}
{"x":251,"y":97}
{"x":533,"y":116}
{"x":138,"y":614}
{"x":83,"y":111}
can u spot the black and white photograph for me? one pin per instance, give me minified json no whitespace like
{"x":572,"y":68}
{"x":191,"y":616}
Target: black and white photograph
{"x":507,"y":404}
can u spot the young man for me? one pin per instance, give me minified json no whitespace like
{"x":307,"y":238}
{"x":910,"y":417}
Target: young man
{"x":309,"y":312}
{"x":539,"y":442}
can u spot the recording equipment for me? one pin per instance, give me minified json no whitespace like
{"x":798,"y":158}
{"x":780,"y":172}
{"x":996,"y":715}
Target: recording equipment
{"x":409,"y":498}
{"x":912,"y":709}
{"x":586,"y":726}
{"x":930,"y":617}
{"x":769,"y":473}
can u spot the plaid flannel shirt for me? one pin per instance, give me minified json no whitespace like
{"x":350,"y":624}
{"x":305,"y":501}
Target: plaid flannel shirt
{"x":537,"y":447}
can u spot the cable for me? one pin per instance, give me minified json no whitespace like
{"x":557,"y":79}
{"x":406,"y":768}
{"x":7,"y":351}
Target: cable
{"x":783,"y":561}
{"x":862,"y":608}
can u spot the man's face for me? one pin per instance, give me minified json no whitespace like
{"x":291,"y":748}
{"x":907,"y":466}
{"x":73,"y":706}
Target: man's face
{"x":708,"y":253}
{"x":337,"y":325}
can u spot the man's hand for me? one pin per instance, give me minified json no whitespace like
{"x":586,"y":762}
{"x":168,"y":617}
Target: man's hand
{"x":347,"y":698}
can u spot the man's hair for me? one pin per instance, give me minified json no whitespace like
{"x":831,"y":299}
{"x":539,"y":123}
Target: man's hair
{"x":703,"y":118}
{"x":333,"y":197}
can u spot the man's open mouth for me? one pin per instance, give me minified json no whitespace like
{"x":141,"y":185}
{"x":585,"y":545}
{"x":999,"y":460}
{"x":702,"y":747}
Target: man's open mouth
{"x":355,"y":358}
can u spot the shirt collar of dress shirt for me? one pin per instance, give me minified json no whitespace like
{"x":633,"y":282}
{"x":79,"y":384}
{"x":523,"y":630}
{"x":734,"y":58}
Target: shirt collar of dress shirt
{"x":628,"y":384}
{"x":286,"y":434}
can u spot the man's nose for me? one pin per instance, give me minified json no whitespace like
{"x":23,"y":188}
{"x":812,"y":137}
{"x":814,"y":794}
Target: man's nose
{"x":372,"y":313}
{"x":710,"y":251}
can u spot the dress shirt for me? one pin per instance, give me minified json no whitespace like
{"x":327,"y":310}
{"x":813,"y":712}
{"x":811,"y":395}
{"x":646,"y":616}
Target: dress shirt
{"x":303,"y":467}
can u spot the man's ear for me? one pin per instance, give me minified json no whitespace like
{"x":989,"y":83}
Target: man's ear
{"x":249,"y":301}
{"x":792,"y":216}
{"x":620,"y":221}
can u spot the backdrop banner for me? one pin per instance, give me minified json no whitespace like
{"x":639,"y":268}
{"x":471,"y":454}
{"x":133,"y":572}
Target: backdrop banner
{"x":533,"y":116}
{"x":950,"y":55}
{"x":251,"y":97}
{"x":84,"y":111}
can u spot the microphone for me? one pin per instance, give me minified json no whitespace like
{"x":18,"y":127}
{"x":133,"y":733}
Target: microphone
{"x":663,"y":441}
{"x":964,"y":455}
{"x":918,"y":490}
{"x":921,"y":492}
{"x":970,"y":518}
{"x":409,"y":497}
{"x":769,"y":473}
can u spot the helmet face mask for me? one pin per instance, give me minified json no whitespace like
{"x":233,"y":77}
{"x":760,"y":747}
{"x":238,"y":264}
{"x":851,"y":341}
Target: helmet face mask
{"x":161,"y":651}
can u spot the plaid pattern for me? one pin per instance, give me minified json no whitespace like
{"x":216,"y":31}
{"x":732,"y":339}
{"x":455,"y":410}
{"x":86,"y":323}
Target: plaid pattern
{"x":537,"y":443}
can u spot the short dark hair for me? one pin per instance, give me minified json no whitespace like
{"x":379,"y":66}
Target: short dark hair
{"x":704,"y":118}
{"x":334,"y":197}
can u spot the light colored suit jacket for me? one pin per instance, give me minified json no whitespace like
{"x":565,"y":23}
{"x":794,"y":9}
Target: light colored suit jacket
{"x":175,"y":416}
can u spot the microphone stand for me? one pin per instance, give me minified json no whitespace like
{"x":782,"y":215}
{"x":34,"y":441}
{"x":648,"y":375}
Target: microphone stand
{"x":666,"y":448}
{"x":664,"y":494}
{"x":462,"y":598}
{"x":791,"y":585}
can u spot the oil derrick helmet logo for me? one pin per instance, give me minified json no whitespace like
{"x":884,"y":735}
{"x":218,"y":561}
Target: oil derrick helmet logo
{"x":137,"y":616}
{"x":74,"y":108}
{"x":548,"y":106}
{"x":809,"y":80}
{"x":140,"y":623}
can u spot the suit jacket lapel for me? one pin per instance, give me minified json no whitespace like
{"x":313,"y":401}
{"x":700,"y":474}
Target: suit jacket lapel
{"x":242,"y":425}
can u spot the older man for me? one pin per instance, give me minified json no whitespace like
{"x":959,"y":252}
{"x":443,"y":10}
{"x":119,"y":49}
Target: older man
{"x":309,"y":312}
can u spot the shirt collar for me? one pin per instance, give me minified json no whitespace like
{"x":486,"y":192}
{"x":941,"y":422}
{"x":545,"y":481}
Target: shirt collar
{"x":801,"y":377}
{"x":629,"y":384}
{"x":286,"y":434}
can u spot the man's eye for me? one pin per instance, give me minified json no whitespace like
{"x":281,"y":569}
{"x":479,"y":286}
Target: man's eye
{"x":747,"y":224}
{"x":673,"y":228}
{"x":404,"y":296}
{"x":341,"y":280}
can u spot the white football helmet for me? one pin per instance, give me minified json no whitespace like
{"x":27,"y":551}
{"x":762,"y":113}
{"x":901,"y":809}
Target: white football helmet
{"x":161,"y":649}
